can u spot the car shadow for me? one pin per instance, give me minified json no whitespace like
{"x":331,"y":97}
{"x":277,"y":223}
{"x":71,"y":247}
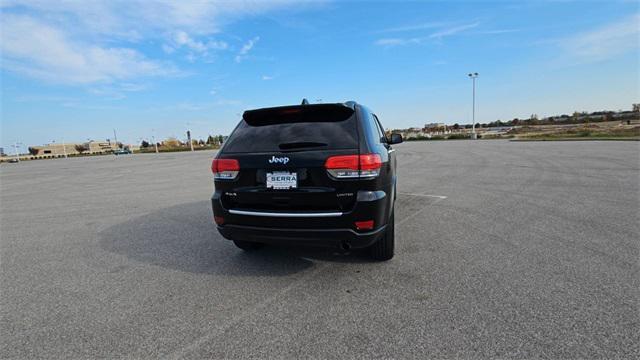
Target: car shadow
{"x":184,"y":238}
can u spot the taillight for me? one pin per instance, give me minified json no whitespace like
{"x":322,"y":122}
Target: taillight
{"x":354,"y":166}
{"x":225,"y":169}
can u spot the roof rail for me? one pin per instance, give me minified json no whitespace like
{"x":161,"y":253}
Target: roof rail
{"x":305,"y":102}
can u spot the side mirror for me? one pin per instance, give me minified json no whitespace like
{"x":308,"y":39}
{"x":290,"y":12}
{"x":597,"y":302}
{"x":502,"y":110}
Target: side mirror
{"x":395,"y":139}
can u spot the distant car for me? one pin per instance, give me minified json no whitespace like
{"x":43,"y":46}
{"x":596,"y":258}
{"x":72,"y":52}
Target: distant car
{"x":13,"y":160}
{"x":122,"y":152}
{"x":321,"y":174}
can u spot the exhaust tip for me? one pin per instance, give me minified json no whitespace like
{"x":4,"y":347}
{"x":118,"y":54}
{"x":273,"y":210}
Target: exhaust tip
{"x":345,"y":246}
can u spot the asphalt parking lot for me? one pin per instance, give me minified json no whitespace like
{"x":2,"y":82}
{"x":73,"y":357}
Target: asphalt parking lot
{"x":505,"y":249}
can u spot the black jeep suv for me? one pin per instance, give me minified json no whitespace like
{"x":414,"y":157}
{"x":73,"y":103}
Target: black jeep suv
{"x":321,"y":174}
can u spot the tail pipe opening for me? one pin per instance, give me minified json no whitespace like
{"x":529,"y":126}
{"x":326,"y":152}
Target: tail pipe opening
{"x":344,"y":245}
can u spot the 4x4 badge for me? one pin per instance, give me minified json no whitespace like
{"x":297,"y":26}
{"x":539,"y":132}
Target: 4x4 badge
{"x":281,"y":160}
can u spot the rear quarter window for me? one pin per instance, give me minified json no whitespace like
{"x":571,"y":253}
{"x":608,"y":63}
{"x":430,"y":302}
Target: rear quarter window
{"x":294,"y":128}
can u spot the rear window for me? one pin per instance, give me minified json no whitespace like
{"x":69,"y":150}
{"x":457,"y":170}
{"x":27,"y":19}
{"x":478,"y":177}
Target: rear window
{"x":295,"y":128}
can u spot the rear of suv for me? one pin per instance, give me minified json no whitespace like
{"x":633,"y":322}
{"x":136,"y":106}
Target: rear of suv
{"x":321,"y":174}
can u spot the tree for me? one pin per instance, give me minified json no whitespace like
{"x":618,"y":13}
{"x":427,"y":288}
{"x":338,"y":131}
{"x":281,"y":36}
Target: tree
{"x":220,"y":139}
{"x":210,"y":140}
{"x":80,"y":148}
{"x":144,"y":144}
{"x":456,"y":126}
{"x":201,"y":142}
{"x":172,"y":142}
{"x":576,"y":116}
{"x":33,"y":151}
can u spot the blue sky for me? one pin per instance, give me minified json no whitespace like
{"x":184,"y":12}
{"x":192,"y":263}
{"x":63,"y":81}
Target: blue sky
{"x":76,"y":70}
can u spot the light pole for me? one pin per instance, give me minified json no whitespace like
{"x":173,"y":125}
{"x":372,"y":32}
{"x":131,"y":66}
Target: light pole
{"x":189,"y":136}
{"x":189,"y":139}
{"x":16,"y":146}
{"x":153,"y":137}
{"x":116,"y":139}
{"x":473,"y":77}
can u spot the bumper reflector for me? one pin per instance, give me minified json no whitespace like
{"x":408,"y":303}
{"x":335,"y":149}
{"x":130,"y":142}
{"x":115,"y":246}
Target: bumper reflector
{"x":219,"y":220}
{"x":364,"y":225}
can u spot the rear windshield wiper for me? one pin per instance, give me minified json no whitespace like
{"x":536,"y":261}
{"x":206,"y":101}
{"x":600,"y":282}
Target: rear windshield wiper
{"x":300,"y":144}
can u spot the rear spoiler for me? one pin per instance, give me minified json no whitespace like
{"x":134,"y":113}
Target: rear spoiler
{"x":299,"y":113}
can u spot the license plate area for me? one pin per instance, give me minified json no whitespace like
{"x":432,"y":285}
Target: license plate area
{"x":282,"y":180}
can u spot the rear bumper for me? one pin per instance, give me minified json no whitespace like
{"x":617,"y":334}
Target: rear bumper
{"x":307,"y":237}
{"x":329,"y":229}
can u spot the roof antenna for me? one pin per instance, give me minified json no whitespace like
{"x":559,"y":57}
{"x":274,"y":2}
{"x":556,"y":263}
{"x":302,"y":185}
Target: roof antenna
{"x":305,"y":102}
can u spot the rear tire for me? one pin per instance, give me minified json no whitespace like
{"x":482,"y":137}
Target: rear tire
{"x":247,"y":245}
{"x":383,"y":249}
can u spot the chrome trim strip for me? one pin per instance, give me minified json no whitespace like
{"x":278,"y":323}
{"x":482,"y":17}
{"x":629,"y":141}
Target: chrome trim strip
{"x":392,"y":150}
{"x":279,"y":214}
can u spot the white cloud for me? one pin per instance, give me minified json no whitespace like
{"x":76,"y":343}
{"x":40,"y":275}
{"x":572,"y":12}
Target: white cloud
{"x":85,"y":106}
{"x":605,"y":42}
{"x":438,"y":35}
{"x":197,"y":49}
{"x":452,"y":30}
{"x":132,"y":87}
{"x":146,"y":18}
{"x":42,"y":51}
{"x":413,"y":27}
{"x":117,"y":91}
{"x":189,"y":106}
{"x":181,"y":38}
{"x":168,"y":49}
{"x":246,"y":48}
{"x":42,"y":98}
{"x":497,"y":31}
{"x":267,"y":77}
{"x":75,"y":41}
{"x":399,"y":41}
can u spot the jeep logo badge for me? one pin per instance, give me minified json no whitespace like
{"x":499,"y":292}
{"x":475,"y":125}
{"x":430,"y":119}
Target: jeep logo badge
{"x":281,"y":160}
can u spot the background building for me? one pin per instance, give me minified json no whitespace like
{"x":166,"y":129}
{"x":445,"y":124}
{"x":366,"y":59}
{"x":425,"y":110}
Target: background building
{"x":58,"y":150}
{"x":436,"y":129}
